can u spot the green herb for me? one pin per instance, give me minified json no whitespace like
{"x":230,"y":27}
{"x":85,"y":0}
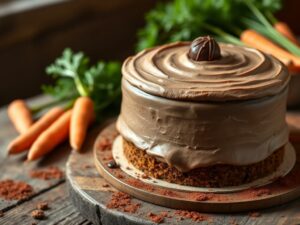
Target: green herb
{"x":75,"y":77}
{"x":182,"y":20}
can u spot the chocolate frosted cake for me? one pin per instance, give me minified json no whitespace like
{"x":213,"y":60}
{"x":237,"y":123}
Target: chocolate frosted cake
{"x":204,"y":114}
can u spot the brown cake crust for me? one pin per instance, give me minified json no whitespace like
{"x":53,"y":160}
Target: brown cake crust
{"x":213,"y":176}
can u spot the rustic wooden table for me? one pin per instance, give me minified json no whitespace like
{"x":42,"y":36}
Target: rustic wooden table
{"x":55,"y":191}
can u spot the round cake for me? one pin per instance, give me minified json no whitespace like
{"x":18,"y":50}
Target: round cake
{"x":204,"y":114}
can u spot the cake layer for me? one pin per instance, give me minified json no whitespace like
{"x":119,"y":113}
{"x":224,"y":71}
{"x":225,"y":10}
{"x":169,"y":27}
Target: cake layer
{"x":212,"y":176}
{"x":241,"y":73}
{"x":189,"y":135}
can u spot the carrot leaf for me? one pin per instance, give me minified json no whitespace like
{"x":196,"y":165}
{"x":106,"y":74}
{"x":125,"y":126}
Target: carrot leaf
{"x":74,"y":77}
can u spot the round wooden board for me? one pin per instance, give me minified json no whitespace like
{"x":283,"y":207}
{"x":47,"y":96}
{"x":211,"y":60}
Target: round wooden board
{"x":91,"y":193}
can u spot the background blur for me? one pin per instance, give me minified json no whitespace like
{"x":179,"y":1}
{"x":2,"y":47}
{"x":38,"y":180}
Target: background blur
{"x":34,"y":32}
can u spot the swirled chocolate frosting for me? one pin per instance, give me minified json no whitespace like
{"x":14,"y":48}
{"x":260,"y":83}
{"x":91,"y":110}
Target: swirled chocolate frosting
{"x":240,"y":73}
{"x":191,"y":114}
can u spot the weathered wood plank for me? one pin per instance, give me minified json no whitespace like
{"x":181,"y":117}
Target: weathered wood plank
{"x":61,"y":210}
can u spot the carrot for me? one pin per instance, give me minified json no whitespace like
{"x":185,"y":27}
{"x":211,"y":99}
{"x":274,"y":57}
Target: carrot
{"x":25,"y":140}
{"x":286,"y":31}
{"x":82,"y":116}
{"x":20,"y":115}
{"x":256,"y":40}
{"x":51,"y":137}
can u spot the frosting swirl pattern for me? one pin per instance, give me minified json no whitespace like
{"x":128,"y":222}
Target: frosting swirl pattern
{"x":241,"y":73}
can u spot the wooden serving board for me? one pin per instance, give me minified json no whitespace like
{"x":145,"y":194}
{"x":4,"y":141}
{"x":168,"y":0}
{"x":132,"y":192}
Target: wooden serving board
{"x":91,"y":193}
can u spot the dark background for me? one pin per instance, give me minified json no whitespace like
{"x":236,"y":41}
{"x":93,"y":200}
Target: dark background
{"x":33,"y":33}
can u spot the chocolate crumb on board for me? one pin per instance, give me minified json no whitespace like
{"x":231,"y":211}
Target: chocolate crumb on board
{"x":105,"y":144}
{"x":260,"y":192}
{"x":105,"y":185}
{"x":48,"y":173}
{"x":33,"y":223}
{"x":38,"y":214}
{"x":112,"y":164}
{"x":120,"y":176}
{"x":156,"y":218}
{"x":107,"y":158}
{"x":139,"y":184}
{"x":167,"y":193}
{"x":254,"y":214}
{"x":15,"y":190}
{"x":201,"y":197}
{"x":42,"y":206}
{"x":122,"y":201}
{"x":145,"y":176}
{"x":195,"y":216}
{"x":1,"y":214}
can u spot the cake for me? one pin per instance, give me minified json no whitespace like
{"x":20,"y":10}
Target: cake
{"x":203,"y":113}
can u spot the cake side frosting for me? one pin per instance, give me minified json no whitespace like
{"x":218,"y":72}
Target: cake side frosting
{"x":188,"y":135}
{"x":191,"y":110}
{"x":240,"y":74}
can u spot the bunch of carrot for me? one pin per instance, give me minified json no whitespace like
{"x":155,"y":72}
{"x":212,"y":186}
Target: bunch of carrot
{"x":256,"y":40}
{"x":53,"y":128}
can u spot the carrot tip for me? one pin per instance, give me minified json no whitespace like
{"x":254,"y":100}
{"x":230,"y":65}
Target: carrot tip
{"x":75,"y":147}
{"x":11,"y":150}
{"x":29,"y":158}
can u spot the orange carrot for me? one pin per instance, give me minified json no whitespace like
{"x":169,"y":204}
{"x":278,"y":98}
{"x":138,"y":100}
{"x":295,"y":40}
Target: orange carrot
{"x":286,"y":31}
{"x":20,"y":115}
{"x":82,"y":116}
{"x":256,"y":40}
{"x":51,"y":137}
{"x":25,"y":140}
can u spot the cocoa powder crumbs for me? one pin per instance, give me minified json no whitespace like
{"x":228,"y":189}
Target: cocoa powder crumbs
{"x":195,"y":216}
{"x":254,"y":214}
{"x":122,"y":201}
{"x":15,"y":190}
{"x":260,"y":192}
{"x":105,"y":185}
{"x":107,"y":158}
{"x":145,"y":176}
{"x":42,"y":206}
{"x":1,"y":214}
{"x":48,"y":173}
{"x":120,"y":176}
{"x":168,"y":193}
{"x":105,"y":144}
{"x":139,"y":184}
{"x":38,"y":214}
{"x":157,"y":218}
{"x":201,"y":196}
